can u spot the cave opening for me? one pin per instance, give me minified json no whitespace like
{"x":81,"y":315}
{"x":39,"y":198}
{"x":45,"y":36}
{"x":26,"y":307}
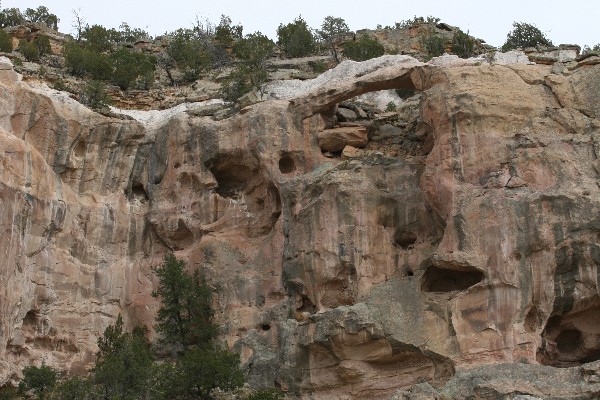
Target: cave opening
{"x":286,"y":164}
{"x":571,"y":339}
{"x":404,"y":239}
{"x":439,"y":280}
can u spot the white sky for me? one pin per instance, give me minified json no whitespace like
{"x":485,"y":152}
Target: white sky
{"x":572,"y":22}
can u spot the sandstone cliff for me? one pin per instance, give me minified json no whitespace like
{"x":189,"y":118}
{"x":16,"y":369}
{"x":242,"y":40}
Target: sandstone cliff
{"x":462,"y":235}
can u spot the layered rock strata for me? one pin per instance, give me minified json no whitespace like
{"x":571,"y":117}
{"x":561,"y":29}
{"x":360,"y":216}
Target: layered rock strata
{"x":468,"y":238}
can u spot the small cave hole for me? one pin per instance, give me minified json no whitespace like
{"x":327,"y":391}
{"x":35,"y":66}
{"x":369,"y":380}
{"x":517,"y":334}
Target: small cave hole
{"x":265,"y":327}
{"x":138,"y":191}
{"x":404,"y":239}
{"x":287,"y":165}
{"x":409,"y":272}
{"x":231,"y":179}
{"x":30,"y":318}
{"x":569,"y":341}
{"x":177,"y":165}
{"x":80,"y":149}
{"x":440,"y":280}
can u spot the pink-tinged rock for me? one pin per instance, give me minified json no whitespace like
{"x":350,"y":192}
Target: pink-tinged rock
{"x":336,"y":139}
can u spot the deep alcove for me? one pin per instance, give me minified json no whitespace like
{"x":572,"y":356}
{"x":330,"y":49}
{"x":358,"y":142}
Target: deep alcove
{"x":449,"y":280}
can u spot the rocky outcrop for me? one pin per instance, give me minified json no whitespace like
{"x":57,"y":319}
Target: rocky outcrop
{"x":472,"y":242}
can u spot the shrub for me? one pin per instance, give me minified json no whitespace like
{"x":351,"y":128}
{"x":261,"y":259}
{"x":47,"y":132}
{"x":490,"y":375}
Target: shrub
{"x":127,"y":34}
{"x":42,"y":42}
{"x":124,"y":362}
{"x":407,"y":23}
{"x":94,"y":95}
{"x":588,"y":49}
{"x":188,"y":52}
{"x":201,"y":370}
{"x":226,"y":34}
{"x":6,"y":45}
{"x":128,"y":66}
{"x":331,"y":31}
{"x":42,"y":15}
{"x":98,"y":38}
{"x":296,"y":39}
{"x":525,"y":35}
{"x":38,"y":380}
{"x":463,"y":45}
{"x":391,"y":106}
{"x":267,"y":394}
{"x":81,"y":61}
{"x":433,"y":43}
{"x":253,"y":52}
{"x":363,"y":49}
{"x":75,"y":388}
{"x":29,"y":50}
{"x":11,"y":17}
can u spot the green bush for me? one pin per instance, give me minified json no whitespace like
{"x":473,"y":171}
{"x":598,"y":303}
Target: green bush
{"x":38,"y":380}
{"x":405,"y":24}
{"x":75,"y":388}
{"x":267,"y":394}
{"x":253,"y":52}
{"x":98,"y":38}
{"x":332,"y":29}
{"x":11,"y":17}
{"x":525,"y":35}
{"x":203,"y":369}
{"x":463,"y":45}
{"x":188,"y":53}
{"x":226,"y":33}
{"x":42,"y":15}
{"x":82,"y":61}
{"x":391,"y":106}
{"x":94,"y":95}
{"x":363,"y":49}
{"x":42,"y":42}
{"x":433,"y":43}
{"x":296,"y":39}
{"x":29,"y":50}
{"x":124,"y":363}
{"x":6,"y":45}
{"x":128,"y":66}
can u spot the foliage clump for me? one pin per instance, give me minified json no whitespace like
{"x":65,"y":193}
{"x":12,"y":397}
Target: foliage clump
{"x":525,"y":35}
{"x":252,"y":51}
{"x":432,"y":43}
{"x":29,"y":50}
{"x":408,"y":23}
{"x":6,"y":44}
{"x":331,"y":32}
{"x":296,"y":39}
{"x":363,"y":49}
{"x":38,"y":381}
{"x":463,"y":45}
{"x":94,"y":95}
{"x":126,"y":368}
{"x":40,"y":15}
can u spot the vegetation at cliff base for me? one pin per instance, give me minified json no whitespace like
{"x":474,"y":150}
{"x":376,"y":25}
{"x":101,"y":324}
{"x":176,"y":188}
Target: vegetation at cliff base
{"x":126,"y":366}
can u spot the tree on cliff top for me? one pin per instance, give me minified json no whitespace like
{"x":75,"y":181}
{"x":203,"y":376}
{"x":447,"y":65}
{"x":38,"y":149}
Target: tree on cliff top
{"x":331,"y":32}
{"x":296,"y":39}
{"x":525,"y":35}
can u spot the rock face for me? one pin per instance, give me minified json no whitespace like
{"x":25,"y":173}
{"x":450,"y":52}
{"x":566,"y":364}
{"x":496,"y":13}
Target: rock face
{"x":334,"y":278}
